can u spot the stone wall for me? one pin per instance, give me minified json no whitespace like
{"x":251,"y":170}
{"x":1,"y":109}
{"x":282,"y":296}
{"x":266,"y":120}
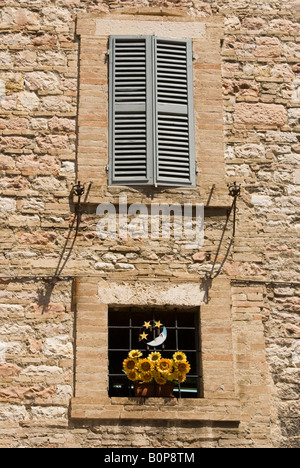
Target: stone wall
{"x":261,"y":85}
{"x":39,"y":73}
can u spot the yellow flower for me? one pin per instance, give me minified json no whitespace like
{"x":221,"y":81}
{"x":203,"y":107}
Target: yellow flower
{"x":165,"y":366}
{"x":129,"y":364}
{"x":183,"y":367}
{"x":172,"y":377}
{"x":154,"y":357}
{"x":135,"y":354}
{"x":179,"y":356}
{"x":133,"y":375}
{"x":181,"y":377}
{"x":159,"y":379}
{"x":147,"y":377}
{"x":145,"y":365}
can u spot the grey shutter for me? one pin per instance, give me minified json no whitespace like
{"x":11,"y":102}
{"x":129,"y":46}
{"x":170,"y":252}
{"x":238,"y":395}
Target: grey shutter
{"x":130,"y":101}
{"x":174,"y":125}
{"x":151,"y":127}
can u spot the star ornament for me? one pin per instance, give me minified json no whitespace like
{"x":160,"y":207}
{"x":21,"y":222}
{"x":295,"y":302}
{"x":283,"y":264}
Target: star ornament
{"x":149,"y":328}
{"x":143,"y":336}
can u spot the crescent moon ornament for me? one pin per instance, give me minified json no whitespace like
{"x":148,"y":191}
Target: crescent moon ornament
{"x":160,"y":339}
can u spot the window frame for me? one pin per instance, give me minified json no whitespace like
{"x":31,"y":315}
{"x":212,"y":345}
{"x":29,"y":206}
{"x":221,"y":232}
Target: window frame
{"x":91,"y":400}
{"x":177,"y":314}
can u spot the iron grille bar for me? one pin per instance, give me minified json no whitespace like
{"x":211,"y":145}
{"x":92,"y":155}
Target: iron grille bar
{"x":173,"y":350}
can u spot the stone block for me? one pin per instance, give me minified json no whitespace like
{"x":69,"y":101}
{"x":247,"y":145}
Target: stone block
{"x":260,"y":114}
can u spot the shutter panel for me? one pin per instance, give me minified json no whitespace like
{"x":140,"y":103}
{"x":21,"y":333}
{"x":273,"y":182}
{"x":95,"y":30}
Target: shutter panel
{"x":130,"y":96}
{"x":151,"y":127}
{"x":175,"y":160}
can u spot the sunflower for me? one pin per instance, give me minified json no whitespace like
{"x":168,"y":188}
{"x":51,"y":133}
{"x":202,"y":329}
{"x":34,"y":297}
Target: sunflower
{"x":133,"y":375}
{"x":181,"y":377}
{"x":173,"y":376}
{"x":154,"y":357}
{"x":179,"y":356}
{"x":159,"y":379}
{"x":129,"y":364}
{"x":147,"y":377}
{"x":165,"y":366}
{"x":183,"y":367}
{"x":145,"y":365}
{"x":135,"y":354}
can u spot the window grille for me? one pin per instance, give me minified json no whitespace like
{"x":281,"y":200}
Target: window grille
{"x":124,"y":326}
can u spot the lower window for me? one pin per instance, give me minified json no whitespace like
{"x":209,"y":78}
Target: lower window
{"x":161,"y":330}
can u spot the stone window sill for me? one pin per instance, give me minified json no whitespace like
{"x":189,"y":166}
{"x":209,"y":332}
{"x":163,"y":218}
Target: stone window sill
{"x":160,"y":409}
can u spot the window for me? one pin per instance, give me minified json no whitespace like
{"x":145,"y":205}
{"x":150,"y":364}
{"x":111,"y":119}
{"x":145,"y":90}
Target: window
{"x":103,"y":340}
{"x":124,"y":328}
{"x":151,"y":129}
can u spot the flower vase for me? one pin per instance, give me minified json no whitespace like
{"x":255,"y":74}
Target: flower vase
{"x":142,"y":389}
{"x":152,"y":389}
{"x":165,"y":391}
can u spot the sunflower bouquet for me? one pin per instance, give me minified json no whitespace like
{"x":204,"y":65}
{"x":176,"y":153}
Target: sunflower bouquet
{"x":156,"y":368}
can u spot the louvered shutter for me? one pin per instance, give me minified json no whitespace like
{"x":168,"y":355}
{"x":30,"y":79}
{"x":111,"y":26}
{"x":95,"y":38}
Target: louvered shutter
{"x":175,"y":160}
{"x":130,"y":103}
{"x":151,"y":111}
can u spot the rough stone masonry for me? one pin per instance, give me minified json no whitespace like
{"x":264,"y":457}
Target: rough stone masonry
{"x":53,"y":128}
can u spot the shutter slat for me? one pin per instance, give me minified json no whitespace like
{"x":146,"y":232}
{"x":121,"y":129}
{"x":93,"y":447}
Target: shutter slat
{"x":172,"y":95}
{"x":174,"y":79}
{"x":175,"y":72}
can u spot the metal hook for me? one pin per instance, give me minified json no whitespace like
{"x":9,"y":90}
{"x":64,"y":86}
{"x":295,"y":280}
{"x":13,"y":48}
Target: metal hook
{"x":234,"y":189}
{"x":78,"y":189}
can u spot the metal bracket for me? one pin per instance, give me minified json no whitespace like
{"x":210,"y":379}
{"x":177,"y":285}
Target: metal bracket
{"x":78,"y":189}
{"x":234,"y":189}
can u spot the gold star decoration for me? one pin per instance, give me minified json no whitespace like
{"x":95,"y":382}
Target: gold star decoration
{"x":143,"y":336}
{"x":147,"y":325}
{"x":158,"y":324}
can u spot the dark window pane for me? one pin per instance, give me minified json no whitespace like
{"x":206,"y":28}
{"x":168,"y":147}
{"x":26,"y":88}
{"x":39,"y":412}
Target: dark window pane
{"x":125,"y":328}
{"x":119,"y":317}
{"x":118,"y":338}
{"x":186,"y":339}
